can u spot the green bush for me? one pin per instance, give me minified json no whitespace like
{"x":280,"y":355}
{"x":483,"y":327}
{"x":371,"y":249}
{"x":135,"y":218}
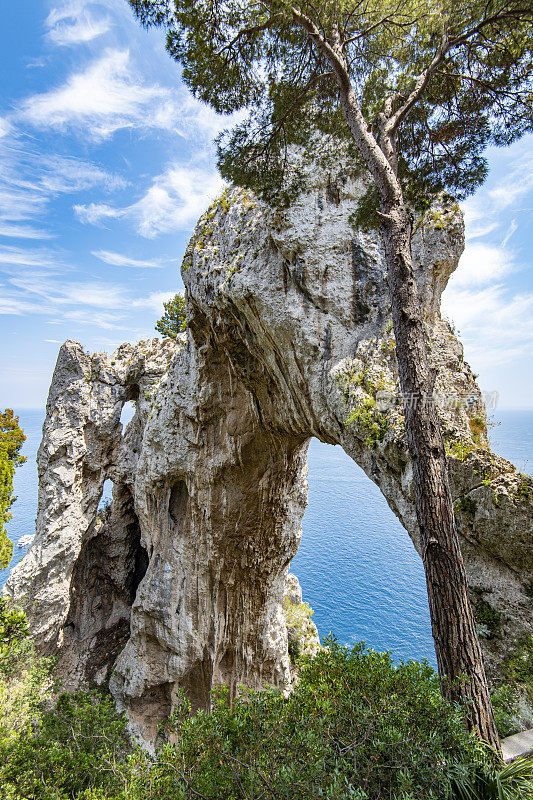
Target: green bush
{"x":11,"y":440}
{"x":51,"y":749}
{"x":174,"y":319}
{"x":76,"y":747}
{"x":356,"y":726}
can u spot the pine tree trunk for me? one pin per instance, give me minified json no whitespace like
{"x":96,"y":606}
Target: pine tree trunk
{"x":459,"y":657}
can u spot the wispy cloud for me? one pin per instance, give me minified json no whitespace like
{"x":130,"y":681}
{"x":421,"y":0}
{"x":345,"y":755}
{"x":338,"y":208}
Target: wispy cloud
{"x":494,"y":327}
{"x":36,"y":284}
{"x":11,"y":303}
{"x":173,"y":202}
{"x":516,"y":185}
{"x":99,"y":100}
{"x":154,"y":301}
{"x":29,"y":180}
{"x":62,"y":175}
{"x":78,"y":29}
{"x":13,"y":259}
{"x":119,"y":260}
{"x":77,"y":22}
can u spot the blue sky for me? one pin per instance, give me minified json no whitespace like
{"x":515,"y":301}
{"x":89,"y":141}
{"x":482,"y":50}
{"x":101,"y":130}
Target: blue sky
{"x":106,"y":162}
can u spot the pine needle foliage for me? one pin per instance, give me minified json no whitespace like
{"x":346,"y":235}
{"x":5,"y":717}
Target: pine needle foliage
{"x":174,"y":319}
{"x":261,"y":56}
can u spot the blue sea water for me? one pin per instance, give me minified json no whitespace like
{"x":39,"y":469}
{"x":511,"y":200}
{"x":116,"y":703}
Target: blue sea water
{"x":357,"y":566}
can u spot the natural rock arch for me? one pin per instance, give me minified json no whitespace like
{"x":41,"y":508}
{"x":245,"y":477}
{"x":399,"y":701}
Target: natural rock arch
{"x":288,"y":338}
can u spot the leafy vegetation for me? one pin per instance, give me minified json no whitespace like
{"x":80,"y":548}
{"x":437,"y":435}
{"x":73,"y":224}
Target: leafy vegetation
{"x":523,"y":491}
{"x":486,"y":783}
{"x":478,"y":429}
{"x":301,"y":631}
{"x":174,"y":319}
{"x":459,"y":449}
{"x":517,"y":667}
{"x":11,"y":440}
{"x":363,"y":411}
{"x":356,"y":726}
{"x":52,"y":748}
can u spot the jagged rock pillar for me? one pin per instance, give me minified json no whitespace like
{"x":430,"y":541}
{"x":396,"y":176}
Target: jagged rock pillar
{"x":220,"y":528}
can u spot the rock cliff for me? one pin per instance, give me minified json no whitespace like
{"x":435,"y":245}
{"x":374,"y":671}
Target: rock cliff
{"x":180,"y":582}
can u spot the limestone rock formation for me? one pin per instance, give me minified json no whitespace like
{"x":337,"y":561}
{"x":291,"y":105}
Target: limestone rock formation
{"x":289,"y":337}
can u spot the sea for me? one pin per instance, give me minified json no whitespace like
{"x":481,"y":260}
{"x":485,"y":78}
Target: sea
{"x":357,"y":566}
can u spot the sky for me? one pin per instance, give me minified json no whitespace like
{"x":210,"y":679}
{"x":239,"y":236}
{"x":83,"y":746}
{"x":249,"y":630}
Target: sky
{"x":106,"y":163}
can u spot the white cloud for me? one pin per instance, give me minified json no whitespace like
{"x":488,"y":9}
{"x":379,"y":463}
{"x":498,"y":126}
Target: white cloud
{"x":78,"y":29}
{"x":98,"y":100}
{"x":29,"y":180}
{"x":17,"y":306}
{"x":75,"y":22}
{"x":494,"y":327}
{"x":511,"y":230}
{"x":18,"y":258}
{"x":154,"y":302}
{"x":61,"y":175}
{"x":97,"y":304}
{"x":23,"y":232}
{"x":102,"y":319}
{"x":96,"y":213}
{"x":118,"y":260}
{"x":481,"y":264}
{"x":58,"y":292}
{"x":173,"y":202}
{"x":5,"y":127}
{"x":516,"y":185}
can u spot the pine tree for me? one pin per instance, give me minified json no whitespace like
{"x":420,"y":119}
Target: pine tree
{"x":413,"y":91}
{"x":174,"y":320}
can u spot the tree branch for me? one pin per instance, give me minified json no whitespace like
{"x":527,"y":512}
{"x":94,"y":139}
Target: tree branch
{"x":332,"y":56}
{"x":420,"y":86}
{"x":248,"y":31}
{"x":445,"y":45}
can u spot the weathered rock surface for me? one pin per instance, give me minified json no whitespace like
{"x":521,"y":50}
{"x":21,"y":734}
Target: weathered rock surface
{"x":289,"y":337}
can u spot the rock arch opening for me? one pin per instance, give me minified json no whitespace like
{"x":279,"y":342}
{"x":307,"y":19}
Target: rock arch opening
{"x":356,"y":563}
{"x":105,"y":579}
{"x":128,"y":411}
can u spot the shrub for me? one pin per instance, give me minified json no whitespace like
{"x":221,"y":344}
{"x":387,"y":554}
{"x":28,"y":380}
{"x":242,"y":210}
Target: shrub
{"x":11,"y":440}
{"x":50,"y":750}
{"x":356,"y":726}
{"x":76,"y":749}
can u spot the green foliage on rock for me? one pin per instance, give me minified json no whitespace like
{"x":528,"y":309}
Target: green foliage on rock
{"x":174,"y":320}
{"x":301,"y":630}
{"x":355,"y":726}
{"x":52,"y":748}
{"x":11,"y":440}
{"x":517,"y":667}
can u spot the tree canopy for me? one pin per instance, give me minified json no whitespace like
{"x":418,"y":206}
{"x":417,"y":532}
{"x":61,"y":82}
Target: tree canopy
{"x":441,"y":80}
{"x":174,"y":319}
{"x":11,"y":440}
